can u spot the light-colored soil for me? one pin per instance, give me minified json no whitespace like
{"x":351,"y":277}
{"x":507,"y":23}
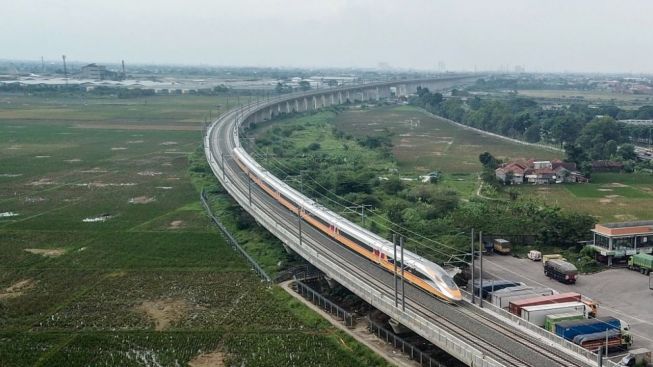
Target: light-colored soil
{"x":176,"y":224}
{"x":17,"y":289}
{"x":211,"y":359}
{"x":625,"y":217}
{"x":42,"y":182}
{"x":604,"y":189}
{"x":47,"y":252}
{"x":139,"y":127}
{"x":149,"y":173}
{"x":605,"y":201}
{"x":616,"y":184}
{"x":164,"y":311}
{"x":142,"y":200}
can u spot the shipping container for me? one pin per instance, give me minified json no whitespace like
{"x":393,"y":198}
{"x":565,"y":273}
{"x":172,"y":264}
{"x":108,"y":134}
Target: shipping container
{"x":537,"y":314}
{"x":503,"y":297}
{"x":551,"y":320}
{"x":515,"y":306}
{"x":570,"y":329}
{"x":491,"y":285}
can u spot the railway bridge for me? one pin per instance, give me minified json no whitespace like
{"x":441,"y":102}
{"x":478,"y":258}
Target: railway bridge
{"x":471,"y":334}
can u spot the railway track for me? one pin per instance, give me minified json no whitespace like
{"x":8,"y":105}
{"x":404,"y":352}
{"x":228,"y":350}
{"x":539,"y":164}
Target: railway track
{"x":493,"y":331}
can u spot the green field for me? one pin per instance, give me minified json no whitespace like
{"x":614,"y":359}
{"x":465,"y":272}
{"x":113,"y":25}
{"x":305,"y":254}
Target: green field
{"x":107,"y":258}
{"x":610,"y":197}
{"x":424,"y":143}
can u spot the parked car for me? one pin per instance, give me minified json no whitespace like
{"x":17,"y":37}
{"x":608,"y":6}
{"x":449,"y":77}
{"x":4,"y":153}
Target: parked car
{"x":535,"y":255}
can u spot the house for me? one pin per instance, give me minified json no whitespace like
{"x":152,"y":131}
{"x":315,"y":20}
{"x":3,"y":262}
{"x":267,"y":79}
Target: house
{"x":538,"y":172}
{"x":511,"y":172}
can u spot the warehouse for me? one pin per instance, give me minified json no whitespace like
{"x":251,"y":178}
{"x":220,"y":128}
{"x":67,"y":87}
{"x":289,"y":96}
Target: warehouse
{"x":617,"y":241}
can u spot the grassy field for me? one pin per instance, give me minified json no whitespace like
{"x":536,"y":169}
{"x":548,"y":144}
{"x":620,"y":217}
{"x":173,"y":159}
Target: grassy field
{"x":423,"y":143}
{"x":589,"y":96}
{"x":108,"y":259}
{"x":610,"y":197}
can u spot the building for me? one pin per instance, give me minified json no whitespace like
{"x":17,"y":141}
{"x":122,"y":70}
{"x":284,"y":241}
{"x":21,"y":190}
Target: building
{"x":97,"y":72}
{"x":538,"y":172}
{"x":617,"y":241}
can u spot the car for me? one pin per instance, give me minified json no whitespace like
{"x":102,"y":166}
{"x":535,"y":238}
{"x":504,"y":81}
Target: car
{"x":535,"y":255}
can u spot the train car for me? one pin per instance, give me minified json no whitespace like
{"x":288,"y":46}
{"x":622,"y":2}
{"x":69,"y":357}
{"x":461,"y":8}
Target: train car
{"x":417,"y":270}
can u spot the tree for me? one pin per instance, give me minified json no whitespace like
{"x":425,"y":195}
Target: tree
{"x":393,"y":185}
{"x":533,"y":133}
{"x":627,"y":152}
{"x":304,"y":85}
{"x":488,"y":160}
{"x":575,"y":154}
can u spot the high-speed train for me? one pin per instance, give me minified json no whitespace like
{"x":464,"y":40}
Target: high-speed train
{"x":417,"y":270}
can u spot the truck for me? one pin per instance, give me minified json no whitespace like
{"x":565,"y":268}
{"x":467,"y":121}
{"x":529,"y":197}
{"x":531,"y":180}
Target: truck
{"x":515,"y":306}
{"x":561,"y":271}
{"x":537,"y":314}
{"x":546,"y":258}
{"x":491,"y":285}
{"x":641,"y":262}
{"x":502,"y":246}
{"x":503,"y":297}
{"x":609,"y":339}
{"x":535,"y":255}
{"x":550,"y":321}
{"x":587,"y":333}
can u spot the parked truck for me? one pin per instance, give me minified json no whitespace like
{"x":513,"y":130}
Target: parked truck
{"x":592,"y":333}
{"x":537,"y":314}
{"x":503,"y":247}
{"x":561,"y":271}
{"x":550,"y":321}
{"x":503,"y":297}
{"x":535,"y":255}
{"x":546,"y":258}
{"x":491,"y":285}
{"x":641,"y":262}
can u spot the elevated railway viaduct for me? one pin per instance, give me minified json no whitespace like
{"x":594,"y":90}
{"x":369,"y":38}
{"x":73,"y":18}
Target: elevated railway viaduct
{"x":472,"y":335}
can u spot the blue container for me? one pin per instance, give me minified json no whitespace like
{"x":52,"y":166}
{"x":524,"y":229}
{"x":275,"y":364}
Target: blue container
{"x":570,"y":329}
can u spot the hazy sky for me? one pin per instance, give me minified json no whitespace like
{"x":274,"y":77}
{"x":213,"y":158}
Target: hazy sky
{"x":542,"y":35}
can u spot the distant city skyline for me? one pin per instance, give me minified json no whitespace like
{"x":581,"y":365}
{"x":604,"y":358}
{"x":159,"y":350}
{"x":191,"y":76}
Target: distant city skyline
{"x":553,"y":36}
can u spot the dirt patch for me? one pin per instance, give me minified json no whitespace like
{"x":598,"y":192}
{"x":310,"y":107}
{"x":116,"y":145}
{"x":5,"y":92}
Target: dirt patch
{"x":135,"y":141}
{"x":139,"y":127}
{"x":47,"y":252}
{"x":169,"y":143}
{"x":142,"y":200}
{"x":118,"y":148}
{"x":33,"y":200}
{"x":604,"y":189}
{"x":42,"y":182}
{"x":176,"y":224}
{"x":616,"y":184}
{"x":210,"y":359}
{"x":164,"y":187}
{"x":625,"y":217}
{"x":149,"y":173}
{"x":605,"y":201}
{"x":164,"y":311}
{"x":8,"y":214}
{"x":99,"y":218}
{"x":612,"y":196}
{"x":42,"y":156}
{"x":10,"y":174}
{"x":74,"y":160}
{"x":17,"y":289}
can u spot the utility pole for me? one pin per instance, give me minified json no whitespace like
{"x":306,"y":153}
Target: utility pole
{"x":480,"y":271}
{"x":472,"y":267}
{"x":403,"y":290}
{"x":394,"y":260}
{"x":42,"y":66}
{"x":65,"y":68}
{"x":124,"y":75}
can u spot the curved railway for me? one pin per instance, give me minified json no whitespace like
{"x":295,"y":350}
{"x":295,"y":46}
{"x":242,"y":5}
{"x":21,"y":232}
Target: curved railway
{"x":502,"y":344}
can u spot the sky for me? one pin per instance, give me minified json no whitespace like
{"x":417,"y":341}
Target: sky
{"x":541,"y":35}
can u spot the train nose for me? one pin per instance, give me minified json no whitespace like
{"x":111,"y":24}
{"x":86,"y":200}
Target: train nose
{"x":456,"y":295}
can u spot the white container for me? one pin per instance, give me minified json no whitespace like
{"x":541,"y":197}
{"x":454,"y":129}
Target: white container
{"x":537,"y":314}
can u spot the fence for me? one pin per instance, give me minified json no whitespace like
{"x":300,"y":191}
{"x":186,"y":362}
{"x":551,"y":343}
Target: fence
{"x":231,"y":240}
{"x":319,"y":300}
{"x":399,"y":343}
{"x":543,"y":333}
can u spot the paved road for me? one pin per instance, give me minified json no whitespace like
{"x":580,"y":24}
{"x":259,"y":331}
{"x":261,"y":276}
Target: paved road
{"x":621,"y":293}
{"x":505,"y":343}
